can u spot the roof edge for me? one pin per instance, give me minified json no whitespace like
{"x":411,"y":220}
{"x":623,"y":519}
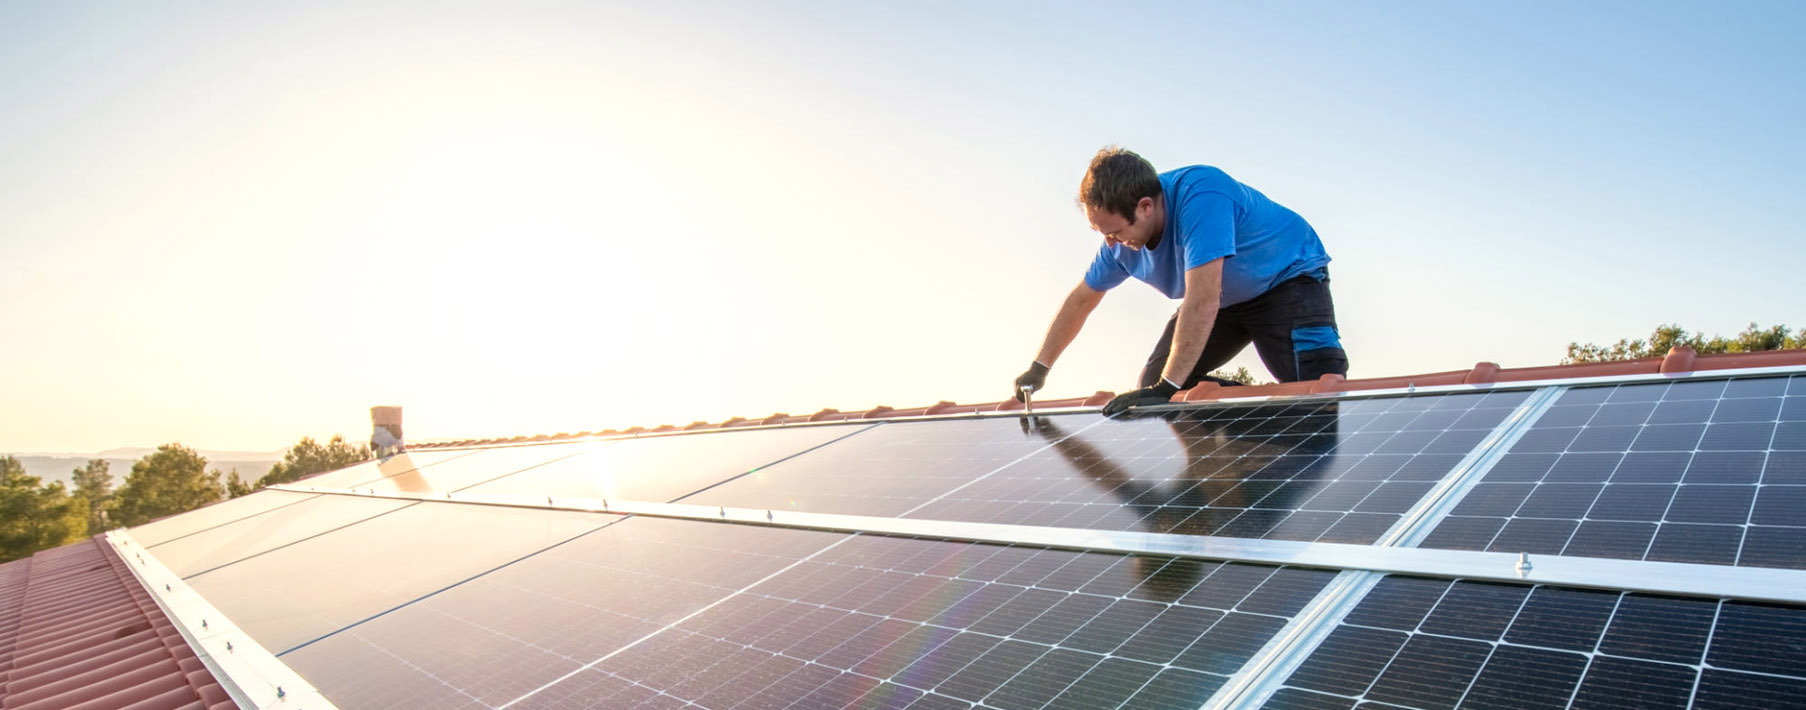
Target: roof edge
{"x":1679,"y":361}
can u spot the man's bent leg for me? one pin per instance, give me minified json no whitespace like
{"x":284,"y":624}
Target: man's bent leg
{"x":1295,"y":331}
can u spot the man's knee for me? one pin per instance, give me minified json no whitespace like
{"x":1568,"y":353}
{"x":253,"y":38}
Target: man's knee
{"x":1317,"y":351}
{"x":1313,"y":364}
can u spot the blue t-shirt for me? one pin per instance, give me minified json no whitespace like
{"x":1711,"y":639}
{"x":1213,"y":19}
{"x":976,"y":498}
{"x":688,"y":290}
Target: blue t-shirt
{"x":1209,"y":216}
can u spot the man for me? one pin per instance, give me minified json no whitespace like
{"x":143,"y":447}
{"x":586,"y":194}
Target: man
{"x":1244,"y":268}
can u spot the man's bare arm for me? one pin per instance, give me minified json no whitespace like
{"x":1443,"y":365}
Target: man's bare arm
{"x":1068,"y":322}
{"x":1197,"y":314}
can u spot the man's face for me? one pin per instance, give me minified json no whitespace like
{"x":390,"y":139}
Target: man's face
{"x":1117,"y":229}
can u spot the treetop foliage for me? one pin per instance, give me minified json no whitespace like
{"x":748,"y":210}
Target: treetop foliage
{"x":309,"y":457}
{"x":34,"y":516}
{"x":94,"y":483}
{"x":171,"y":480}
{"x":1753,"y":339}
{"x":1241,"y":375}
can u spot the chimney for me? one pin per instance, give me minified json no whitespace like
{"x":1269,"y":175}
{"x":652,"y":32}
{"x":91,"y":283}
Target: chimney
{"x":385,"y":431}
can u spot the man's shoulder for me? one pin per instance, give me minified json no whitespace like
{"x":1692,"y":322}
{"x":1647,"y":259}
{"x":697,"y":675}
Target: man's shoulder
{"x":1198,"y":178}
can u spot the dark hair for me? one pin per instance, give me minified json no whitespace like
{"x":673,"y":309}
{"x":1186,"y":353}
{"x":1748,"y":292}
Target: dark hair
{"x":1117,"y":180}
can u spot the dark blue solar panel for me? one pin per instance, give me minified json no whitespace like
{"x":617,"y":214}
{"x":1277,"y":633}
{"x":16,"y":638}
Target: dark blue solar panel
{"x":1332,"y":471}
{"x":713,"y":615}
{"x":1706,"y":472}
{"x":1425,"y":643}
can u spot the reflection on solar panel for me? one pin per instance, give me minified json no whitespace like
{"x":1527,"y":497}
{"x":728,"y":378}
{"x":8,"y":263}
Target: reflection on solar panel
{"x":174,"y":527}
{"x":230,"y":542}
{"x":1706,"y":471}
{"x":1331,"y":472}
{"x":393,"y":595}
{"x":292,"y":594}
{"x":730,"y":614}
{"x":1434,"y":643}
{"x":471,"y":469}
{"x":368,"y":473}
{"x":683,"y":464}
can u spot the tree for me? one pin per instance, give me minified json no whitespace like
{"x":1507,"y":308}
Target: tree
{"x":171,"y":480}
{"x":1753,"y":339}
{"x":236,"y":485}
{"x":1240,"y":375}
{"x":33,"y":516}
{"x":94,"y":483}
{"x":308,"y":458}
{"x":11,"y":468}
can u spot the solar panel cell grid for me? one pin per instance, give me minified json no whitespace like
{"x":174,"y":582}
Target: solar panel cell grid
{"x":293,"y":594}
{"x":1336,"y":471}
{"x":1675,"y":472}
{"x":1426,"y":643}
{"x":1003,"y":626}
{"x":586,"y":598}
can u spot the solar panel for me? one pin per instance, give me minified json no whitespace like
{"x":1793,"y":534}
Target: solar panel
{"x":396,"y":603}
{"x":226,"y":511}
{"x":295,"y":593}
{"x":254,"y":535}
{"x":1311,"y":471}
{"x":661,"y":468}
{"x":717,"y":614}
{"x":1705,"y":471}
{"x":1427,"y":643}
{"x":590,"y":596}
{"x":460,"y":471}
{"x":887,"y":470}
{"x":369,"y":472}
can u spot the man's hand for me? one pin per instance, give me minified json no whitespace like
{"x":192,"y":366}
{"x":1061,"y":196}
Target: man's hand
{"x":1161,"y":393}
{"x":1034,"y":379}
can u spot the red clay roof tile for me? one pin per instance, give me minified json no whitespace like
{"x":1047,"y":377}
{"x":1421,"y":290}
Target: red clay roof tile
{"x":1677,"y":361}
{"x":78,"y":631}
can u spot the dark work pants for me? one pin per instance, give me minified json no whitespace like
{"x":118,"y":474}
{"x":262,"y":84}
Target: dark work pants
{"x":1292,"y":326}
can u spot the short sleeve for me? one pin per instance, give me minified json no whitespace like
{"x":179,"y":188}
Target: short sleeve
{"x":1209,"y":226}
{"x":1106,"y":272}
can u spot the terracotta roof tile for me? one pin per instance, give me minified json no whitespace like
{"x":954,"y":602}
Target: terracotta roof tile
{"x":78,"y":632}
{"x":1677,"y":361}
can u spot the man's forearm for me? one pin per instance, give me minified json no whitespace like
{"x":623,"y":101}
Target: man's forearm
{"x":1189,"y":335}
{"x":1067,"y":324}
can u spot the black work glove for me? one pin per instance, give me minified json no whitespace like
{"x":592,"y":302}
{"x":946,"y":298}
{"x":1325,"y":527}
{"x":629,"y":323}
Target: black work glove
{"x":1035,"y":378}
{"x":1160,"y":393}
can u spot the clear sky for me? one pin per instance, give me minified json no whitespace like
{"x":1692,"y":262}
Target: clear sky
{"x":235,"y":224}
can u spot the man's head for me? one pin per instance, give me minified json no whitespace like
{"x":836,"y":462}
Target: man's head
{"x":1122,"y":198}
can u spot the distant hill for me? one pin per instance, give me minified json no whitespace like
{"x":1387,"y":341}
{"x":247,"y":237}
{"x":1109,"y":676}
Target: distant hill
{"x":251,"y":465}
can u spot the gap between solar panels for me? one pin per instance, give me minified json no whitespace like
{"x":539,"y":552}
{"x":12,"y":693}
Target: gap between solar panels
{"x":1761,"y":584}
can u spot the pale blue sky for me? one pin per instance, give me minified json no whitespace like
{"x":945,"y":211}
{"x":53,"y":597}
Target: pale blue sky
{"x":235,"y":224}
